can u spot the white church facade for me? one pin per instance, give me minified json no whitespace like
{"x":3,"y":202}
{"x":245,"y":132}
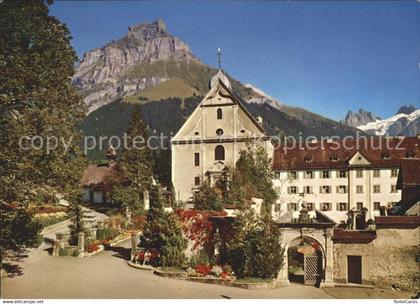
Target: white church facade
{"x":212,"y":137}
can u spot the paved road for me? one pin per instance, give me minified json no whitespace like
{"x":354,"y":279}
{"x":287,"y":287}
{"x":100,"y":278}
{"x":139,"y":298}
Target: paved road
{"x":107,"y":275}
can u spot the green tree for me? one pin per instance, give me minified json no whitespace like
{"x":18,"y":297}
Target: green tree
{"x":206,"y":198}
{"x":255,"y":249}
{"x":17,"y":228}
{"x":252,"y":177}
{"x":137,"y":158}
{"x":79,"y":218}
{"x":236,"y":248}
{"x":126,"y":197}
{"x":163,"y":232}
{"x":163,"y":167}
{"x":37,"y":101}
{"x":264,"y":251}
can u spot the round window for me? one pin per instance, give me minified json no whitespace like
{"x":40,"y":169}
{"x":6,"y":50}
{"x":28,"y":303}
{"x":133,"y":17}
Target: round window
{"x":219,"y":132}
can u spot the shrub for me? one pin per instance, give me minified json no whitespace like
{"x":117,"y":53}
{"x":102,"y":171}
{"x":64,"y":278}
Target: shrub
{"x":106,"y":233}
{"x":138,"y":222}
{"x":117,"y":221}
{"x":203,"y":269}
{"x":45,"y":219}
{"x":200,"y":257}
{"x":92,"y":247}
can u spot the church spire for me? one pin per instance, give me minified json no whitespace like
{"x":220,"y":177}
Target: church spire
{"x":219,"y":55}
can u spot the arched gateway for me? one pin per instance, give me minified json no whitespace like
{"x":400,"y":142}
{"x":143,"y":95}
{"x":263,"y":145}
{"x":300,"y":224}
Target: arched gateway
{"x":308,"y":254}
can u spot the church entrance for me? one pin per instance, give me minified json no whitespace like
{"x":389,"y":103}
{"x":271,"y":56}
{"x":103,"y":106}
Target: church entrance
{"x":305,"y":261}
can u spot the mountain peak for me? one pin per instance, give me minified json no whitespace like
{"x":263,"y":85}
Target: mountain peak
{"x":147,"y":31}
{"x":407,"y":109}
{"x":258,"y":96}
{"x":361,"y":117}
{"x":109,"y":72}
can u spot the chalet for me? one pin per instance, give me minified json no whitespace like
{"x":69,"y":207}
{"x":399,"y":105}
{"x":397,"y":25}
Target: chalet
{"x":98,"y":179}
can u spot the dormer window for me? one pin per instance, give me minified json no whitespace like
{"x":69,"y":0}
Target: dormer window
{"x":219,"y":113}
{"x":307,"y":158}
{"x":410,"y":154}
{"x":334,"y":157}
{"x":386,"y":155}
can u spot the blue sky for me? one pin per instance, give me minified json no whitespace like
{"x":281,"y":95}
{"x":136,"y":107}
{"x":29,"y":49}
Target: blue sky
{"x":328,"y":57}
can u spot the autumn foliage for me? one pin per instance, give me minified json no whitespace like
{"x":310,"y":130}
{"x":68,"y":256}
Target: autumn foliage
{"x":197,"y":225}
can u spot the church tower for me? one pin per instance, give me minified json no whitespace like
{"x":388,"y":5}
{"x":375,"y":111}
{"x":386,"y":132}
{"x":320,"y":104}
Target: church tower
{"x":212,"y":138}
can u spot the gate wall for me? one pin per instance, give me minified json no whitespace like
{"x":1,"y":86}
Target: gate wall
{"x":322,"y":236}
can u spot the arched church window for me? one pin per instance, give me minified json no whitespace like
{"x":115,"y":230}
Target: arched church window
{"x":219,"y":114}
{"x":219,"y":153}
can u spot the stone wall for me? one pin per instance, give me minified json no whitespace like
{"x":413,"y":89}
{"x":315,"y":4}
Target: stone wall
{"x":388,"y":260}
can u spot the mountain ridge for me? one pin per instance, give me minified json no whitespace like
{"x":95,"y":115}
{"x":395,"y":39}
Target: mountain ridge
{"x":139,"y":68}
{"x":361,"y":117}
{"x":400,"y":124}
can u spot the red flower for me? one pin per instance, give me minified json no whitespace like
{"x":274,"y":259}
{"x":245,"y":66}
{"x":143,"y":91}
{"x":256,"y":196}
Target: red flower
{"x":92,"y":247}
{"x":224,"y":275}
{"x":203,"y":269}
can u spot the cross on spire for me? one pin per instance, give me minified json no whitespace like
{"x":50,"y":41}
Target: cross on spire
{"x":219,"y":55}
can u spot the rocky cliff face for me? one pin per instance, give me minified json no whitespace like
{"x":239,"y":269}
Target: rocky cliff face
{"x":361,"y":117}
{"x":407,"y":109}
{"x":103,"y":74}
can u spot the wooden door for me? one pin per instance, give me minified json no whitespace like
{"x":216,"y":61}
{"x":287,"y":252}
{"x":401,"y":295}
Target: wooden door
{"x":354,"y":269}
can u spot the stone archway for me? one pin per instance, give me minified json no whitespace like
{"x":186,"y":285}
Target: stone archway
{"x":305,"y":261}
{"x":323,"y":239}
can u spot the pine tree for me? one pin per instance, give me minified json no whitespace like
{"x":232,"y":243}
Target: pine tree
{"x":163,"y":167}
{"x":254,"y":250}
{"x":126,"y":197}
{"x":79,"y":218}
{"x":38,"y":99}
{"x":264,"y":251}
{"x":252,"y":177}
{"x":206,"y":198}
{"x":163,"y":232}
{"x":137,"y":158}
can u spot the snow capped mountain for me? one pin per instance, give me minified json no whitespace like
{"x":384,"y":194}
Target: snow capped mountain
{"x":399,"y":124}
{"x":260,"y":97}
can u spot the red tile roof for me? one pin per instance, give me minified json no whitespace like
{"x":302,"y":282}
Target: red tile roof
{"x":379,"y":151}
{"x":410,"y":172}
{"x":397,"y":222}
{"x":353,"y":236}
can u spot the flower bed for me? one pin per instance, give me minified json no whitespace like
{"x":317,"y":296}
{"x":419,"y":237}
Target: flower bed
{"x":171,"y":272}
{"x":92,"y":247}
{"x":48,"y":219}
{"x":46,"y":209}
